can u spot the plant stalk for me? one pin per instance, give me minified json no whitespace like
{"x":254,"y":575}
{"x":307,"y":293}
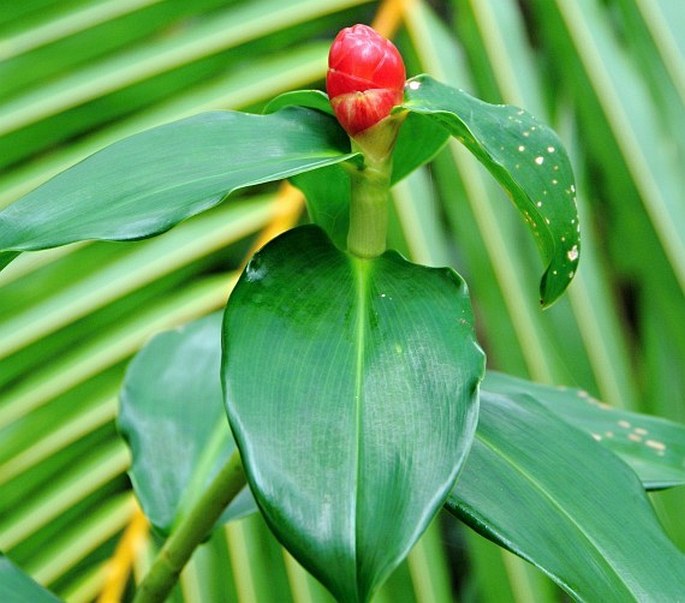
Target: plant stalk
{"x":367,"y":235}
{"x":370,"y":185}
{"x":190,"y":533}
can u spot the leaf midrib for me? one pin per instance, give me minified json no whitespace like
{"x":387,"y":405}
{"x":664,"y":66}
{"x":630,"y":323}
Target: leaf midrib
{"x":360,"y":270}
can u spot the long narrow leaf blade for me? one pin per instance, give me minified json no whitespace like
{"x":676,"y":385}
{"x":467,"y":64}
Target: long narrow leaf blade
{"x":652,"y":446}
{"x":146,"y":184}
{"x":555,"y":497}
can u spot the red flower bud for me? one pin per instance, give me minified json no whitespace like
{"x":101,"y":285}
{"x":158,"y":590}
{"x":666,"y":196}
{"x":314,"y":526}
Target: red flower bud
{"x":365,"y":78}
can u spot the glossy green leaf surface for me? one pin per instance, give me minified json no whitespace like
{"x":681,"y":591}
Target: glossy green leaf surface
{"x":350,"y":387}
{"x":147,"y":183}
{"x":552,"y":495}
{"x":652,"y":446}
{"x":17,"y":587}
{"x":528,"y":160}
{"x":312,"y":99}
{"x":173,"y":419}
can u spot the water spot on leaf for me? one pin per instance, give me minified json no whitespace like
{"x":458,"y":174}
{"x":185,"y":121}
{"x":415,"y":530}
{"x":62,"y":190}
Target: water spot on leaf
{"x":660,"y":446}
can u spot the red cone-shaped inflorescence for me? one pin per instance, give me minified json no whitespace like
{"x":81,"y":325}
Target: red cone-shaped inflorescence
{"x":365,"y":78}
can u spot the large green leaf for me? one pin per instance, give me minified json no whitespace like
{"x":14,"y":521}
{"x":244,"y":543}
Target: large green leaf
{"x":17,"y":587}
{"x":526,"y":157}
{"x":351,"y":390}
{"x":147,"y":183}
{"x":173,"y":419}
{"x":554,"y":496}
{"x":652,"y":446}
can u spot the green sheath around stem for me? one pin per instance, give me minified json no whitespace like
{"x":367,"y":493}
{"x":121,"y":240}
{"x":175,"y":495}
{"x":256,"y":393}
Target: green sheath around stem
{"x":370,"y":185}
{"x":369,"y":210}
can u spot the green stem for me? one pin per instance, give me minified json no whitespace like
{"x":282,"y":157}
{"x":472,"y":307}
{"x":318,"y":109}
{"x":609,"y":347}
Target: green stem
{"x":190,"y":533}
{"x":370,"y":186}
{"x":367,"y":235}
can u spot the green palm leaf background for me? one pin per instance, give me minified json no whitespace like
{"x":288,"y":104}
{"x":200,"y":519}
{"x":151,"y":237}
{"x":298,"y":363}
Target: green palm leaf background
{"x":608,"y":75}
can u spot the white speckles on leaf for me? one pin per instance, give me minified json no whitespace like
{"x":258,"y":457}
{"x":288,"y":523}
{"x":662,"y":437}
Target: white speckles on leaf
{"x":551,"y":149}
{"x":624,"y":424}
{"x":660,"y":446}
{"x":539,"y":160}
{"x":414,"y":85}
{"x":539,"y":204}
{"x":572,"y":253}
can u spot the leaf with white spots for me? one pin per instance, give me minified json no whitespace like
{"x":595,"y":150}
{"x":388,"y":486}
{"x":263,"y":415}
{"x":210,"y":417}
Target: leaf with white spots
{"x":549,"y":493}
{"x":652,"y":446}
{"x":528,"y":160}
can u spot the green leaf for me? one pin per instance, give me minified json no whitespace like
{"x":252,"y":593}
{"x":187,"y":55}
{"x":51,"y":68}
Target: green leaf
{"x":146,"y":184}
{"x":312,"y":99}
{"x":652,"y":446}
{"x":528,"y":160}
{"x":552,"y":495}
{"x":17,"y":587}
{"x":173,"y":419}
{"x":350,"y":386}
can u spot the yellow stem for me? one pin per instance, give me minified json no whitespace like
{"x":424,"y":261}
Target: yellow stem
{"x":119,"y":565}
{"x":287,"y":209}
{"x":389,"y":17}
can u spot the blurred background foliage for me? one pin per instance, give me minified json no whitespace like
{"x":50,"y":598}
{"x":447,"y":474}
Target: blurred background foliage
{"x":75,"y":75}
